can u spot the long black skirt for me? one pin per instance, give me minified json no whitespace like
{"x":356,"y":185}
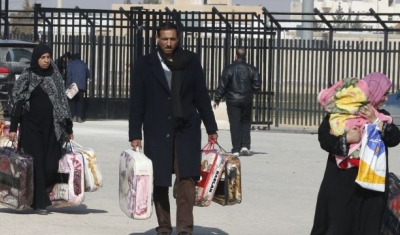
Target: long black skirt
{"x":38,"y":139}
{"x":345,"y":208}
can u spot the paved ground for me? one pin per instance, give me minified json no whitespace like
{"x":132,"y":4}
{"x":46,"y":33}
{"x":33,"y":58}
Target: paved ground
{"x":280,"y":183}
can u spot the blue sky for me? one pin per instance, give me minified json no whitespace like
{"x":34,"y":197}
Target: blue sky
{"x":271,"y":5}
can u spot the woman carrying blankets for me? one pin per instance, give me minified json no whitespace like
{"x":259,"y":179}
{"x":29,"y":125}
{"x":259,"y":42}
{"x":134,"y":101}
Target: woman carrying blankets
{"x":343,"y":206}
{"x":45,"y":125}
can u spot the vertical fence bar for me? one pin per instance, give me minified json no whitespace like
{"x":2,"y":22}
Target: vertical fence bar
{"x":6,"y":21}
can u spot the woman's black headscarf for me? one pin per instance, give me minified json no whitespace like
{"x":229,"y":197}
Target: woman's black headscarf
{"x":38,"y":51}
{"x":52,"y":83}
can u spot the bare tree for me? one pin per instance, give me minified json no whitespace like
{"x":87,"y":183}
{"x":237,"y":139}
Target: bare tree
{"x":21,"y":18}
{"x":339,"y":17}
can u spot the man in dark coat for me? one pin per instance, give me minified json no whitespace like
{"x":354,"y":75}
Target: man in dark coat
{"x":238,"y":83}
{"x":78,"y":73}
{"x":169,"y":98}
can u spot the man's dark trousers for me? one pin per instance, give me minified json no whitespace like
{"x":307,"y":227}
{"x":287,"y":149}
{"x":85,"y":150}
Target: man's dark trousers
{"x":76,"y":104}
{"x":239,"y":114}
{"x":185,"y":199}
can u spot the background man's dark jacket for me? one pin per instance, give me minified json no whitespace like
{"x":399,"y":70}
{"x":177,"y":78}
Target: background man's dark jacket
{"x":238,"y":82}
{"x":151,"y":105}
{"x":78,"y":72}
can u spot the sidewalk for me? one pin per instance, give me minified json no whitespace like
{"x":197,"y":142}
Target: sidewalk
{"x":280,"y":183}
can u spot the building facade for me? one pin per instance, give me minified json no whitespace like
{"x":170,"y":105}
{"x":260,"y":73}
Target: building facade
{"x":193,"y":5}
{"x":355,"y":6}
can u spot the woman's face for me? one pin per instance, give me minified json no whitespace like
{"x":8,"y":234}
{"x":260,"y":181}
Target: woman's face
{"x":44,"y":61}
{"x":383,"y":99}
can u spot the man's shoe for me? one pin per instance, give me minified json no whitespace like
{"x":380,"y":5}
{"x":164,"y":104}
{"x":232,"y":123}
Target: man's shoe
{"x":236,"y":154}
{"x":245,"y":152}
{"x":79,"y":120}
{"x":41,"y":211}
{"x":74,"y":119}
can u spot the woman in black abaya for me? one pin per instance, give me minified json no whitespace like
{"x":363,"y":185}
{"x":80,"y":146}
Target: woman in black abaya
{"x":46,"y":125}
{"x":344,"y":207}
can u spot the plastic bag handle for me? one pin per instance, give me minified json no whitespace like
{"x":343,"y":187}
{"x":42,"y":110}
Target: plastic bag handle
{"x":12,"y":146}
{"x":220,"y":147}
{"x":70,"y":143}
{"x":75,"y":143}
{"x":209,"y":146}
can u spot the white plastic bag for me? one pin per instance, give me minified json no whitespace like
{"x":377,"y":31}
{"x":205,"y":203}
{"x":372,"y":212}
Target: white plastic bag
{"x":72,"y":90}
{"x":93,"y":176}
{"x":136,"y":184}
{"x":372,"y":170}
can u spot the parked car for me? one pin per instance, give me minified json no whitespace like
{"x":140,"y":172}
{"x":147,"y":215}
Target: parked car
{"x":15,"y":56}
{"x":393,"y":106}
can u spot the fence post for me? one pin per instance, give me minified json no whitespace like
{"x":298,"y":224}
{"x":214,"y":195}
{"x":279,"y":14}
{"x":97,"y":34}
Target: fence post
{"x":269,"y":92}
{"x":92,"y":39}
{"x":6,"y":21}
{"x":386,"y":38}
{"x":1,"y":16}
{"x":330,"y":44}
{"x":139,"y":31}
{"x":36,"y":21}
{"x":227,"y":45}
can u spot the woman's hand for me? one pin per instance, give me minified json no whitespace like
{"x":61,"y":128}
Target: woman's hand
{"x":12,"y":136}
{"x":368,"y":112}
{"x":353,"y":135}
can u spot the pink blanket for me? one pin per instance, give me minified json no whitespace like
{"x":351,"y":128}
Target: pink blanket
{"x":343,"y":101}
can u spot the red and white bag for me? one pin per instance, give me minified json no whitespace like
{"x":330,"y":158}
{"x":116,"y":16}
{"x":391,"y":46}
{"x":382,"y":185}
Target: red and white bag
{"x":212,"y":166}
{"x":69,"y":190}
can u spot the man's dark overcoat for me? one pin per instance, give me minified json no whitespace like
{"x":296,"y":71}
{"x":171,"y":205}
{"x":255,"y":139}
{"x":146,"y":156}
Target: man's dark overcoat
{"x":151,"y":106}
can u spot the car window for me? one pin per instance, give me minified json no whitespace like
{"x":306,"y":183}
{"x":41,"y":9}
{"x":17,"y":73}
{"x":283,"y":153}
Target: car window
{"x":22,"y":55}
{"x":4,"y":53}
{"x":19,"y":54}
{"x":16,"y":58}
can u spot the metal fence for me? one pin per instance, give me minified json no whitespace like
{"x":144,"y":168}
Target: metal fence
{"x":293,"y":71}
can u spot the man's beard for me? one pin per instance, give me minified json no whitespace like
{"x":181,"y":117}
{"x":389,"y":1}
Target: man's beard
{"x":161,"y":51}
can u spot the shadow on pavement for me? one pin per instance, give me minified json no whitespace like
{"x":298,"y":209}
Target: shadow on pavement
{"x":78,"y":210}
{"x":255,"y":153}
{"x":16,"y":212}
{"x":198,"y":230}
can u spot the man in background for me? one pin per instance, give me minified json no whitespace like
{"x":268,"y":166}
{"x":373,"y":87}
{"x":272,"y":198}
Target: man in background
{"x":77,"y":72}
{"x":238,"y":83}
{"x":62,"y":63}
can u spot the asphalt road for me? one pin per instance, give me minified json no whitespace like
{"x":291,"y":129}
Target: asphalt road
{"x":280,"y":183}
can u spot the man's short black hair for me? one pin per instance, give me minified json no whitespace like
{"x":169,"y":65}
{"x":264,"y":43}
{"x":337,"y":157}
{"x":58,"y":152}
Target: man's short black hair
{"x":166,"y":26}
{"x":76,"y":56}
{"x":241,"y":53}
{"x":67,"y":54}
